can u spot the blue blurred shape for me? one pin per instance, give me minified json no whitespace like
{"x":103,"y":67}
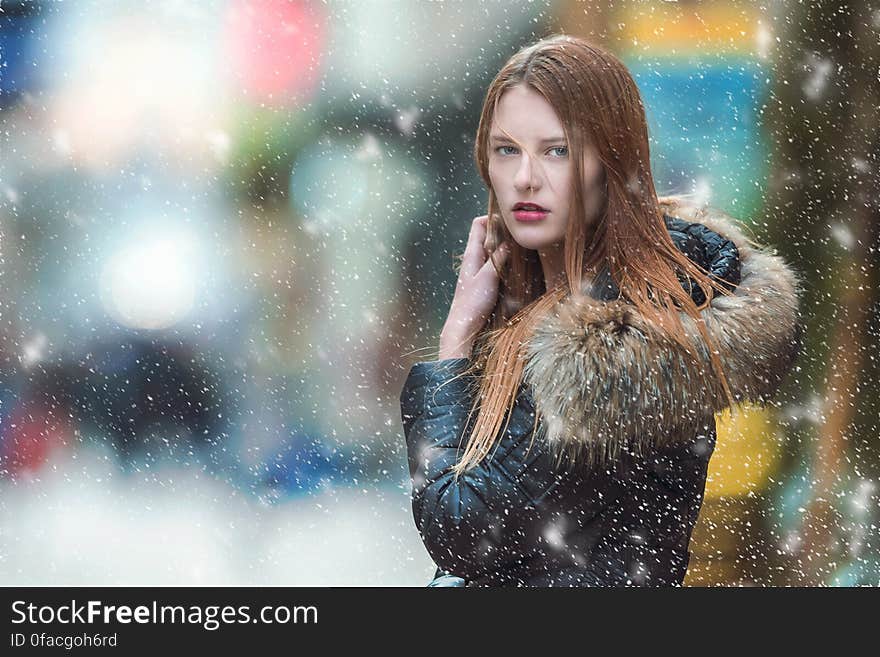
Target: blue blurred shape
{"x":303,"y":464}
{"x":704,"y":122}
{"x":21,"y":24}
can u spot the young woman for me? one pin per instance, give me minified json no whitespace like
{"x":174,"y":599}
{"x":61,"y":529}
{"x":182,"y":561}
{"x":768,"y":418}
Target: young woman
{"x":563,"y":436}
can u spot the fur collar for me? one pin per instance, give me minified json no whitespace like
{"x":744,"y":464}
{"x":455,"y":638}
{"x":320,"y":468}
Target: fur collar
{"x":604,"y":380}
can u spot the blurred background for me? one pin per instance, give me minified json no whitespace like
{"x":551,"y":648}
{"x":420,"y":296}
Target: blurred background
{"x":227,"y":230}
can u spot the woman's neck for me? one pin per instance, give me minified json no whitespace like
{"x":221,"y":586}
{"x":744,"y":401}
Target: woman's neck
{"x":553,"y":265}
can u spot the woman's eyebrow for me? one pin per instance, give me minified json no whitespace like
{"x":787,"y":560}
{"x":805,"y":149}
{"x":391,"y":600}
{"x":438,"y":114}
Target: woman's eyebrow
{"x":548,"y":140}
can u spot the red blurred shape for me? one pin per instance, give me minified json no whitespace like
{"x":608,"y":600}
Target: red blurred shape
{"x":29,"y":435}
{"x":276,"y":48}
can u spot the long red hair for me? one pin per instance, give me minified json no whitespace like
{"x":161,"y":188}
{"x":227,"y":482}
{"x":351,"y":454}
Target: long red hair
{"x":599,"y":104}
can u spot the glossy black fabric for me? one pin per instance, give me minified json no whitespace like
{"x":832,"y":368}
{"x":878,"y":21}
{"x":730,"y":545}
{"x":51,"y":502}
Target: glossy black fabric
{"x":517,"y":520}
{"x":705,"y":247}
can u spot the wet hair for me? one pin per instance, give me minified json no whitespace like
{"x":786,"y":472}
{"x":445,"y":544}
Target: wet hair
{"x":599,"y":106}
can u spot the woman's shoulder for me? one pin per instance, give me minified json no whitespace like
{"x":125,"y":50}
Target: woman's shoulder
{"x":712,"y":251}
{"x":730,"y":250}
{"x":603,"y":374}
{"x":696,"y":240}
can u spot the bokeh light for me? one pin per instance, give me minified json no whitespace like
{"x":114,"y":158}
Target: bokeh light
{"x":152,"y":283}
{"x":276,"y":48}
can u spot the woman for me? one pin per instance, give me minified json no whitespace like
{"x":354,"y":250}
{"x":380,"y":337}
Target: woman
{"x":563,"y":436}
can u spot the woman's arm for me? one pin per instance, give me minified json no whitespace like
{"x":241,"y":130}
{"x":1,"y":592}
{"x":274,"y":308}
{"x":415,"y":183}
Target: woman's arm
{"x":468,"y":526}
{"x":476,"y":293}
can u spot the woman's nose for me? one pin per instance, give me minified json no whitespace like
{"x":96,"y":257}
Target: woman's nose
{"x":526,"y":175}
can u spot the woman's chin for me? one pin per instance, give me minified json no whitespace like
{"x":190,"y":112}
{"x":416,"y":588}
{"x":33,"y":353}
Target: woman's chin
{"x":535,"y":244}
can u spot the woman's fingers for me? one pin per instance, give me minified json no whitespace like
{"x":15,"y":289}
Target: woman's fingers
{"x":477,"y":290}
{"x":474,"y":253}
{"x":501,"y":254}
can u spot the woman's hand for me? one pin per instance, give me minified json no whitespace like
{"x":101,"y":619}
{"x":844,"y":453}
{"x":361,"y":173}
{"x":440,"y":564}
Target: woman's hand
{"x":476,"y":294}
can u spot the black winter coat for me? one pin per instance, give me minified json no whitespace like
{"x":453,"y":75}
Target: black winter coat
{"x":603,"y":383}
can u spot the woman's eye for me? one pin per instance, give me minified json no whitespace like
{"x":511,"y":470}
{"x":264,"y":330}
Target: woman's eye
{"x":564,"y":150}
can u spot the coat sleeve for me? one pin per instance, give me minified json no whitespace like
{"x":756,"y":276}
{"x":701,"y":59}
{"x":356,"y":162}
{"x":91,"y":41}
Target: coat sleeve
{"x":442,"y":578}
{"x":470,"y":525}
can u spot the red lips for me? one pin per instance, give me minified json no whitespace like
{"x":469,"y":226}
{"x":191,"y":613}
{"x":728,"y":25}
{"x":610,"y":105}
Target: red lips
{"x":529,"y":215}
{"x":531,"y":207}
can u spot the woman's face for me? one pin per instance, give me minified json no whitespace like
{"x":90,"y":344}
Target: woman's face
{"x":536,"y":168}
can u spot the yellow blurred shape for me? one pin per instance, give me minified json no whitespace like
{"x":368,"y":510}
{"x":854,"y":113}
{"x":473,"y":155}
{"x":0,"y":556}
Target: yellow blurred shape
{"x":746,"y":452}
{"x":672,"y":28}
